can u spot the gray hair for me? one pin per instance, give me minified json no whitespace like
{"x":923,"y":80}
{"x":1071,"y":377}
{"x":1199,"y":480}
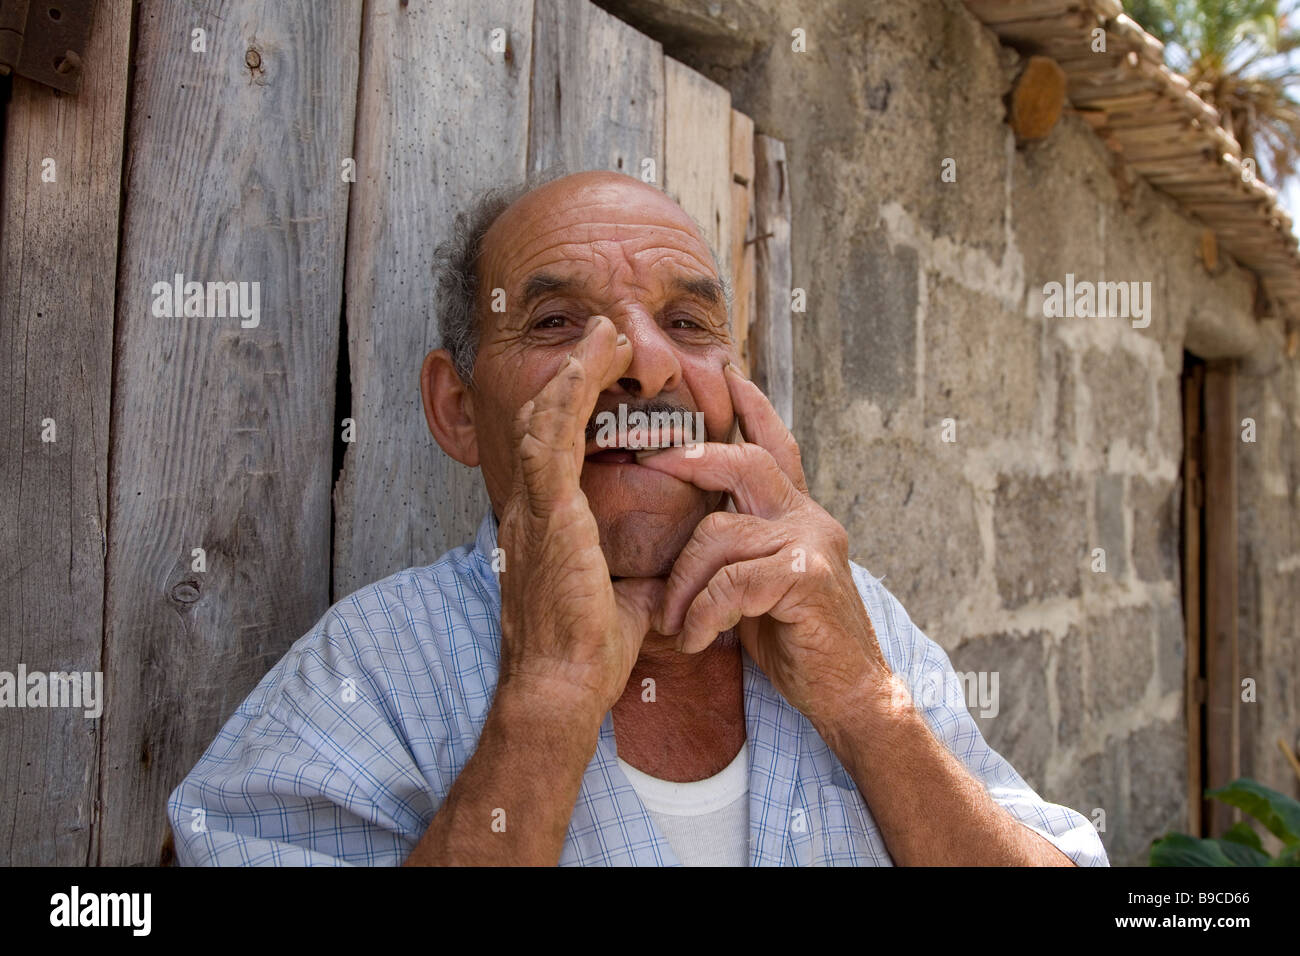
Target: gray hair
{"x":456,"y":268}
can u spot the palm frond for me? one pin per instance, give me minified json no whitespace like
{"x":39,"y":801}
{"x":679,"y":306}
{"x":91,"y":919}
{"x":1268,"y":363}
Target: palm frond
{"x":1243,"y":58}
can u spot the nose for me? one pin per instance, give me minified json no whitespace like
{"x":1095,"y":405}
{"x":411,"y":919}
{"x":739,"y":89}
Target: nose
{"x":654,"y":368}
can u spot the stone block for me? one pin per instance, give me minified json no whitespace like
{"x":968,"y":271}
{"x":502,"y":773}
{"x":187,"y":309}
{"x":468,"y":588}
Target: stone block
{"x":1171,"y":648}
{"x":1156,"y":523}
{"x":911,"y":520}
{"x":1041,"y":537}
{"x":1068,"y":657}
{"x":1157,"y":759}
{"x":877,"y":307}
{"x":1117,"y":384}
{"x":981,"y":365}
{"x":1108,"y":511}
{"x":1120,"y":660}
{"x":1020,"y":731}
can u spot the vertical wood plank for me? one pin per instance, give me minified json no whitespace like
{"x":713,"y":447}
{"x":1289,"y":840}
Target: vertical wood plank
{"x":697,"y":153}
{"x":440,"y":117}
{"x":597,"y":92}
{"x":59,"y":258}
{"x":742,"y":223}
{"x":222,"y":434}
{"x":1193,"y":490}
{"x":771,"y":335}
{"x":1223,"y":690}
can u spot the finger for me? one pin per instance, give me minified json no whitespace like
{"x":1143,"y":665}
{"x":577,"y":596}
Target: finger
{"x":722,"y":538}
{"x":763,"y":426}
{"x":637,"y":600}
{"x":749,"y":473}
{"x":552,"y":439}
{"x":746,"y":589}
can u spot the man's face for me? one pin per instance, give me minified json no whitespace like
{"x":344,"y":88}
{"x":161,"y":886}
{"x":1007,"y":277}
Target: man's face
{"x":605,"y":244}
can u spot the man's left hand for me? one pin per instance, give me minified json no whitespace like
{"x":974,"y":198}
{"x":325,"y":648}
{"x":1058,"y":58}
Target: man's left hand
{"x":777,"y":570}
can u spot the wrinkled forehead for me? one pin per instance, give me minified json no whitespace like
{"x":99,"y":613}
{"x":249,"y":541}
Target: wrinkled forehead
{"x":599,"y":227}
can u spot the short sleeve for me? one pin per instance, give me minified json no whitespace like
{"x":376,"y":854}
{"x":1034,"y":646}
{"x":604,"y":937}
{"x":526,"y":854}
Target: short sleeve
{"x":940,"y":695}
{"x":311,"y":770}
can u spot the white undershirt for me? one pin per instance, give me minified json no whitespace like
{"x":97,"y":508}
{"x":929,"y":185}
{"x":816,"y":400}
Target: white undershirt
{"x":706,"y":822}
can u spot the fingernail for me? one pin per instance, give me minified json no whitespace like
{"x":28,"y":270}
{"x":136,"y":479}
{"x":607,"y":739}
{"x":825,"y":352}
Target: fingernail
{"x":621,"y":340}
{"x":735,"y":368}
{"x":591,"y":323}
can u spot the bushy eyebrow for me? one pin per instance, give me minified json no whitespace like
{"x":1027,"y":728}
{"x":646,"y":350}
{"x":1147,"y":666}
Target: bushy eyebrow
{"x":701,"y":287}
{"x":543,"y":282}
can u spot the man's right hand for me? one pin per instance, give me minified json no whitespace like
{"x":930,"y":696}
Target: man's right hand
{"x":568,"y":631}
{"x":569,"y":635}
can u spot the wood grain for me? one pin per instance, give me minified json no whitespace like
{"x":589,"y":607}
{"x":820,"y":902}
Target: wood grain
{"x":597,"y":92}
{"x":222,"y":435}
{"x":742,"y":230}
{"x":440,"y":118}
{"x":697,"y":147}
{"x":58,"y":256}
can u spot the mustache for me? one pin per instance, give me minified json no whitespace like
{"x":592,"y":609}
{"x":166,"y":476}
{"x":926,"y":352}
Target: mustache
{"x":650,"y":406}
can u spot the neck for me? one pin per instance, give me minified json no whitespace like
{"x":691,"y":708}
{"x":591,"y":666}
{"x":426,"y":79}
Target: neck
{"x":690,"y":722}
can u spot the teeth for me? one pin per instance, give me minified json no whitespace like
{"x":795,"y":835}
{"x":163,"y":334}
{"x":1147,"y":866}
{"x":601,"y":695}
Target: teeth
{"x":644,"y":444}
{"x":661,"y":441}
{"x":648,"y":453}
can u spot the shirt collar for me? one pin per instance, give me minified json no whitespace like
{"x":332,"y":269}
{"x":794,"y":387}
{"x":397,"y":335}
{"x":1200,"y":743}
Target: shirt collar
{"x":485,"y":544}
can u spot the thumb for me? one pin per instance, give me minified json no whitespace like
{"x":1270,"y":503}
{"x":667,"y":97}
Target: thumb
{"x":637,"y":599}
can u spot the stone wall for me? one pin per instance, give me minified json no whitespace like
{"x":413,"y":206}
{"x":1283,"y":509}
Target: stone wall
{"x":925,"y":303}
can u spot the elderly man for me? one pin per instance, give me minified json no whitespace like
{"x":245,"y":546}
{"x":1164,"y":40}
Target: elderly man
{"x":656,"y":651}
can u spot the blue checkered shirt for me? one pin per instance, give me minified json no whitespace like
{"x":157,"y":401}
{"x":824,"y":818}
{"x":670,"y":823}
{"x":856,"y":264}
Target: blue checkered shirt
{"x":345,"y":750}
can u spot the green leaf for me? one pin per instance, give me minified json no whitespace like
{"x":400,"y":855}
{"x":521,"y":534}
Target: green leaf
{"x":1179,"y":849}
{"x":1244,"y":855}
{"x":1279,"y":813}
{"x":1243,"y":833}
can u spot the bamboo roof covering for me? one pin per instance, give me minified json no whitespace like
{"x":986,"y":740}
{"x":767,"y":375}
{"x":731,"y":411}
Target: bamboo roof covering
{"x":1166,"y":134}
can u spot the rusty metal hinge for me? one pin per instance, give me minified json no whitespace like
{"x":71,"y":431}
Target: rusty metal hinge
{"x":45,"y":40}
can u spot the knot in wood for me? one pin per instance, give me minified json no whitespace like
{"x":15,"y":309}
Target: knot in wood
{"x":185,"y":592}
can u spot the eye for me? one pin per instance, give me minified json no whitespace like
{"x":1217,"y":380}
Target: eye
{"x":553,"y":321}
{"x":690,"y":323}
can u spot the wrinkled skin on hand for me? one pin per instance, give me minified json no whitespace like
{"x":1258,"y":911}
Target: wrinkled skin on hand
{"x":567,"y":628}
{"x":777,"y":570}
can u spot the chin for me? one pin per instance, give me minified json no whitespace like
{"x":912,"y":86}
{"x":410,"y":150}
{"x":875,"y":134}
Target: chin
{"x":642,"y":544}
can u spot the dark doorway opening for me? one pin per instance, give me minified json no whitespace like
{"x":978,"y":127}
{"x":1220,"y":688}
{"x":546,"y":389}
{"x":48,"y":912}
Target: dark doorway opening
{"x":1210,"y":436}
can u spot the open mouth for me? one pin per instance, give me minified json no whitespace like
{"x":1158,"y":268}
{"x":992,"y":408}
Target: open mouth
{"x":614,"y":456}
{"x":635,"y":445}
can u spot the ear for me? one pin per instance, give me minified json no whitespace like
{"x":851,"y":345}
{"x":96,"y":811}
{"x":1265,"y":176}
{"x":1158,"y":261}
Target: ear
{"x":447,"y":408}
